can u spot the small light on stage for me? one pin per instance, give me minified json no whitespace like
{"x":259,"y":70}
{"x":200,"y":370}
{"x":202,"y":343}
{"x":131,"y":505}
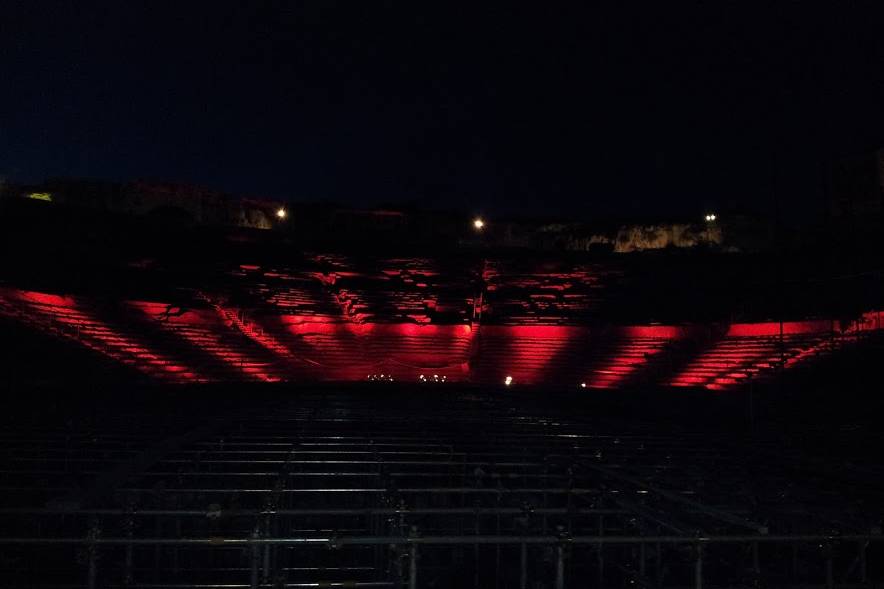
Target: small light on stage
{"x":582,"y":385}
{"x":508,"y":380}
{"x":281,"y":213}
{"x":478,"y":224}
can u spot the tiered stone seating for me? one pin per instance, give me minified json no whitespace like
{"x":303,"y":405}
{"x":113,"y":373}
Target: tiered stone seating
{"x":574,"y":355}
{"x":517,"y":295}
{"x":73,"y":318}
{"x":339,"y":319}
{"x":230,"y":353}
{"x":410,"y":290}
{"x":756,"y":351}
{"x":300,"y":292}
{"x":294,"y":315}
{"x":637,"y":355}
{"x":408,"y":351}
{"x":528,"y":354}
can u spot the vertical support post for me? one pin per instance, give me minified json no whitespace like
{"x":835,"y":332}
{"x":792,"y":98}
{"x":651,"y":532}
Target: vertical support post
{"x":497,"y":551}
{"x":175,"y":563}
{"x":523,"y":576}
{"x":698,"y":568}
{"x":92,"y":554}
{"x":157,"y":550}
{"x":560,"y":567}
{"x":412,"y":567}
{"x":600,"y":555}
{"x":374,"y":527}
{"x":476,"y":555}
{"x":267,"y":547}
{"x":127,"y":571}
{"x":255,"y":550}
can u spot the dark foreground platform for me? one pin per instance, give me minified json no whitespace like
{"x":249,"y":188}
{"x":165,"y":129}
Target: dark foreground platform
{"x":383,"y":486}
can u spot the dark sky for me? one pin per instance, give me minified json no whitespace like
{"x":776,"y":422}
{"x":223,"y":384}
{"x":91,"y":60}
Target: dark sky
{"x":526,"y":108}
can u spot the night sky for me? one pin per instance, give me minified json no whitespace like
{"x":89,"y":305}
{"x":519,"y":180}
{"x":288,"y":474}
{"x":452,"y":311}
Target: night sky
{"x":536,"y":109}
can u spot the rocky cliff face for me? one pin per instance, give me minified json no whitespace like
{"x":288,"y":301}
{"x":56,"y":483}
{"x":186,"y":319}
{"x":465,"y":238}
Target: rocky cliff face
{"x":636,"y":238}
{"x":650,"y":237}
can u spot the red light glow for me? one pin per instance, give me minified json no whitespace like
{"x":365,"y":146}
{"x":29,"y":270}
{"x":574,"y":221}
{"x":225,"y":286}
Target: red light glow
{"x":201,"y":329}
{"x":309,"y":338}
{"x":68,"y":318}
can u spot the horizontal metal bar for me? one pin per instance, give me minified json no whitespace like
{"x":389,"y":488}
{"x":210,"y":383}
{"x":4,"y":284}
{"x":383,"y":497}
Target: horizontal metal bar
{"x":373,"y":540}
{"x":329,"y":584}
{"x":306,"y":511}
{"x":464,"y":490}
{"x":294,"y":475}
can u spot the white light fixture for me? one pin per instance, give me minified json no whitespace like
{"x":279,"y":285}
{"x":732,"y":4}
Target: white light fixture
{"x":281,"y":213}
{"x":710,"y":217}
{"x":478,"y":224}
{"x":508,"y":380}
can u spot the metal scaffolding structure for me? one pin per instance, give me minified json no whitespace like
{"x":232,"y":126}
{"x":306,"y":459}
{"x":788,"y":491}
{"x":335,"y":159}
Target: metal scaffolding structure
{"x":417,"y":488}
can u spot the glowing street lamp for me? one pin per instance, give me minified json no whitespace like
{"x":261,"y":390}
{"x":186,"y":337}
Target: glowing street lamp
{"x":478,"y":224}
{"x":508,"y":380}
{"x":710,"y":217}
{"x":281,"y":213}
